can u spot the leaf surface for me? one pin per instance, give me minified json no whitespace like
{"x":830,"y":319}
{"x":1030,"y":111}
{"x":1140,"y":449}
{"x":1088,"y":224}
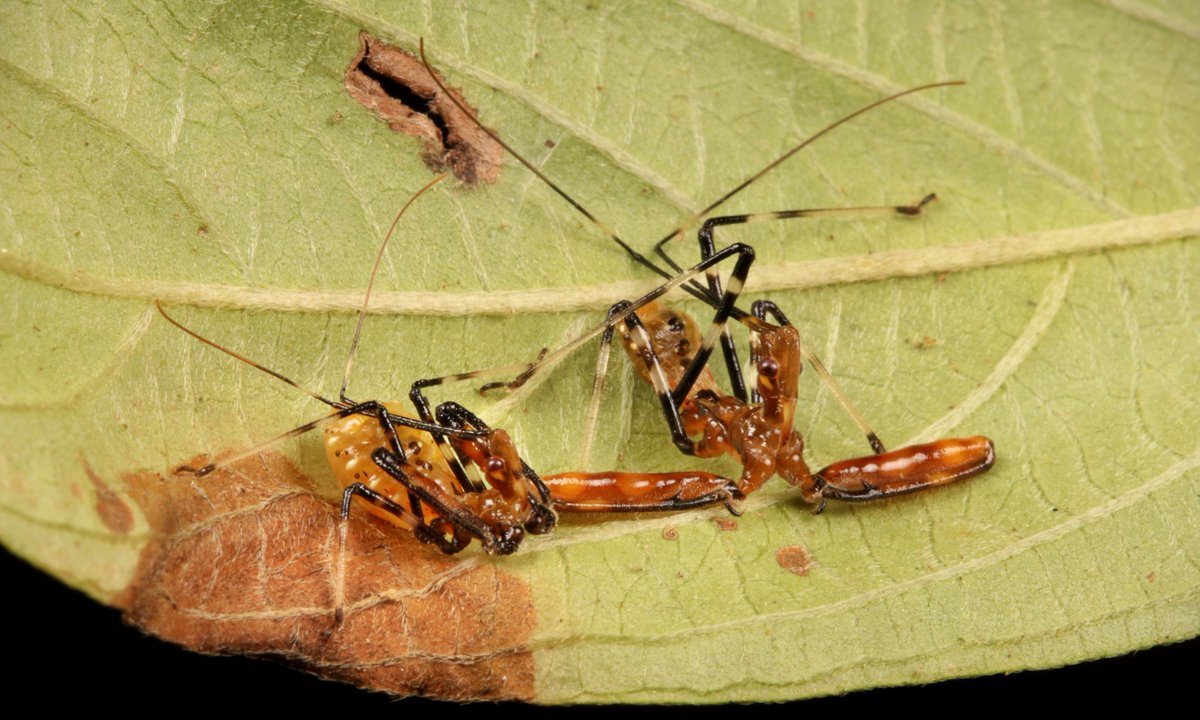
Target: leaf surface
{"x":210,"y":156}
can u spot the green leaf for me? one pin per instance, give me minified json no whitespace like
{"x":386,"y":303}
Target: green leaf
{"x":210,"y":156}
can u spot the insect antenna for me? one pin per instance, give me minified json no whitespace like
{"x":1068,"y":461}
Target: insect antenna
{"x":362,"y":311}
{"x":698,"y":291}
{"x":233,"y":353}
{"x":712,"y":293}
{"x":231,"y":459}
{"x":342,"y":407}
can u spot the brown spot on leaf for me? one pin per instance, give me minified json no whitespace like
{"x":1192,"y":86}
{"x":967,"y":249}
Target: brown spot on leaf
{"x":725,"y":523}
{"x":670,"y":532}
{"x":113,"y":511}
{"x":396,"y":86}
{"x":794,"y":558}
{"x":242,"y":562}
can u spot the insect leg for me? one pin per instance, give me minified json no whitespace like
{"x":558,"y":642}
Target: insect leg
{"x":542,"y":519}
{"x":761,"y":309}
{"x":706,"y":230}
{"x":451,"y":454}
{"x":745,"y":258}
{"x":450,"y":508}
{"x":708,"y":247}
{"x":593,"y":410}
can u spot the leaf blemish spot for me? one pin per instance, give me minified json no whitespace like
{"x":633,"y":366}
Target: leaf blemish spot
{"x":795,"y":559}
{"x":112,"y":510}
{"x":395,"y":86}
{"x":725,"y":524}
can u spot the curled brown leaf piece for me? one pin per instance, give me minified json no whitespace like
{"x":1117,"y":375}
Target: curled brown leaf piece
{"x":243,"y":563}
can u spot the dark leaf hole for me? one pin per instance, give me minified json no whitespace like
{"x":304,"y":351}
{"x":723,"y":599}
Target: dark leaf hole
{"x":397,"y":87}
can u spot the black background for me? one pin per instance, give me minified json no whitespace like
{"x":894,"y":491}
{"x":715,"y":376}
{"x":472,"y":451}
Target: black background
{"x":65,"y":649}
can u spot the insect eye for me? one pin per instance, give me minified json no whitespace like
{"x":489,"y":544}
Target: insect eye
{"x":767,"y":367}
{"x":676,"y":324}
{"x":495,"y":465}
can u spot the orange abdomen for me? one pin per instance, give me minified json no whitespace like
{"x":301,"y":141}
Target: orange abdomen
{"x":907,"y":469}
{"x":349,"y":443}
{"x":637,"y":492}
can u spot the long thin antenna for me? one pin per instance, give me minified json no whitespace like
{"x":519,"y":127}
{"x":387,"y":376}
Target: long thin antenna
{"x":677,"y":232}
{"x":243,"y":358}
{"x":641,"y":259}
{"x":362,"y":311}
{"x":697,"y":290}
{"x":710,"y":295}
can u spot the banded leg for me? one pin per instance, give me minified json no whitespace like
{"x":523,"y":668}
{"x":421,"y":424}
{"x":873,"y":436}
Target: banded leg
{"x":760,"y":310}
{"x":451,"y":509}
{"x":706,"y":229}
{"x":705,"y":238}
{"x":388,"y":423}
{"x":672,"y":398}
{"x":407,"y":519}
{"x":542,"y":520}
{"x":744,"y":255}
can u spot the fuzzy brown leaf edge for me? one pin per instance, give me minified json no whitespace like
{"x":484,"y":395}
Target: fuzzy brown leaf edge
{"x":242,"y":562}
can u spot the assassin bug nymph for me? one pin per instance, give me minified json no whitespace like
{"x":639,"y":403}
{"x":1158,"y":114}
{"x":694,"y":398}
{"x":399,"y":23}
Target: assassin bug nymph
{"x":410,"y":470}
{"x":755,"y":428}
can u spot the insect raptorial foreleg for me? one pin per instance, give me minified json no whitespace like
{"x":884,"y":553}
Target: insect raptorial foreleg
{"x":502,"y":542}
{"x":522,"y":480}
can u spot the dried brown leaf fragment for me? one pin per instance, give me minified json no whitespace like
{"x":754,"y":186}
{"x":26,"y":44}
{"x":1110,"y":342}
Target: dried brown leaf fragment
{"x":242,"y":562}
